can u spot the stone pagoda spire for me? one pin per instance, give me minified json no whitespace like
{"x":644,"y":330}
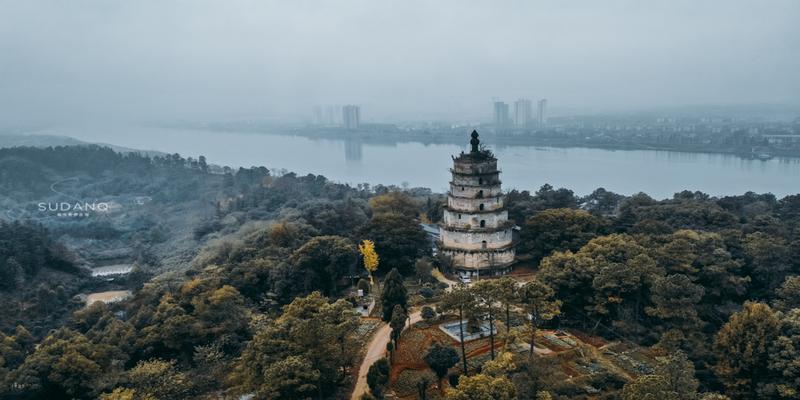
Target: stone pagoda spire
{"x":475,"y":231}
{"x":474,"y":141}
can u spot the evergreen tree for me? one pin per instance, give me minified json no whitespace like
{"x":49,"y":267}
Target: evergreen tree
{"x":788,"y":295}
{"x":487,"y":293}
{"x":312,"y":328}
{"x":394,"y":293}
{"x":558,"y":229}
{"x":322,"y":261}
{"x":398,"y":239}
{"x":378,"y":377}
{"x":784,"y":355}
{"x":292,"y":378}
{"x":507,"y":295}
{"x":537,"y":300}
{"x":482,"y":387}
{"x":678,"y":371}
{"x":649,"y":387}
{"x":461,"y":300}
{"x":742,"y":347}
{"x":398,"y":322}
{"x":440,"y":359}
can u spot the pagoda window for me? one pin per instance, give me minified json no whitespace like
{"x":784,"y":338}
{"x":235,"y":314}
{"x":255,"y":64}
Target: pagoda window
{"x":483,"y":244}
{"x":459,"y":216}
{"x":480,"y":194}
{"x":480,"y":181}
{"x":481,"y":207}
{"x":483,"y":223}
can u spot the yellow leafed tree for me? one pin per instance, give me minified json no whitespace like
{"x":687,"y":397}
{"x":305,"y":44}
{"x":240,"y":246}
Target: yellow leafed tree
{"x":371,"y":259}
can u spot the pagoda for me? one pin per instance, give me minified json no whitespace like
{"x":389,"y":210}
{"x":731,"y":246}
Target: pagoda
{"x":475,"y":232}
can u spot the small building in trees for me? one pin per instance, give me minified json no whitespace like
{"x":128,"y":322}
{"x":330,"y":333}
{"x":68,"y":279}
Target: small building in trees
{"x":475,"y":232}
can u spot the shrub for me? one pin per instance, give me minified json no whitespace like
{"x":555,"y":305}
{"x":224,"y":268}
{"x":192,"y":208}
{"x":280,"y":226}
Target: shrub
{"x":428,"y":314}
{"x":426,"y":292}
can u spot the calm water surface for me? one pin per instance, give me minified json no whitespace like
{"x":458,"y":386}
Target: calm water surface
{"x":657,"y":173}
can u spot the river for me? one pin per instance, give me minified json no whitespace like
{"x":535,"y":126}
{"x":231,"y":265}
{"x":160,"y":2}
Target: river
{"x":657,"y":173}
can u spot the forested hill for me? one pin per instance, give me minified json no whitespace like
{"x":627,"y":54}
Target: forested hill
{"x":30,"y":171}
{"x":145,"y":199}
{"x":8,"y":140}
{"x":28,"y":140}
{"x":254,"y":279}
{"x":27,"y":249}
{"x":151,"y":210}
{"x":38,"y":277}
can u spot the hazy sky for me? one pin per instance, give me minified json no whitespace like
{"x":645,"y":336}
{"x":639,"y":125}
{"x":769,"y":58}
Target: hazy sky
{"x":401,"y":60}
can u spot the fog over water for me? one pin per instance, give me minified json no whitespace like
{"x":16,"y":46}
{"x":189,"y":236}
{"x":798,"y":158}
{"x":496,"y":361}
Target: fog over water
{"x":86,"y":61}
{"x":657,"y":173}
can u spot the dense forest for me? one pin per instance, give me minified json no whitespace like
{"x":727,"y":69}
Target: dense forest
{"x":253,"y":275}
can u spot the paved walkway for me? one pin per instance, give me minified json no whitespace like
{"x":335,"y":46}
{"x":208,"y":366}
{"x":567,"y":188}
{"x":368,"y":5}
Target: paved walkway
{"x":375,"y":351}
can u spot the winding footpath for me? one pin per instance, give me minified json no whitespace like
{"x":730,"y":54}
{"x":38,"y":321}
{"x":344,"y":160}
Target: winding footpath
{"x":375,"y":351}
{"x":377,"y":346}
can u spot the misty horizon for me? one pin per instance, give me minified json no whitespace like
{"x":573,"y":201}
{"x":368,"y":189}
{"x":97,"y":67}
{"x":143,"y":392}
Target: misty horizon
{"x":86,"y":62}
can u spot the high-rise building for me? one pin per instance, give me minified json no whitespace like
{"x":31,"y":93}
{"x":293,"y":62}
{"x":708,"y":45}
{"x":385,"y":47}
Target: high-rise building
{"x":522,"y":113}
{"x":330,"y":115}
{"x":541,"y":109}
{"x":319,"y":119}
{"x":351,"y":117}
{"x":500,"y":115}
{"x":475,"y":232}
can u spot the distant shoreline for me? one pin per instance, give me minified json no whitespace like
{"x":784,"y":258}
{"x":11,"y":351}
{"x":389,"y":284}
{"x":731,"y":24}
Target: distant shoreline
{"x":370,"y":137}
{"x":391,"y":138}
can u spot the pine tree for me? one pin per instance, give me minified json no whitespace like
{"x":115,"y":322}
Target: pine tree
{"x":378,"y":377}
{"x":460,"y":299}
{"x":742,"y":348}
{"x":394,"y":293}
{"x":537,"y":300}
{"x":398,"y":322}
{"x":440,"y":359}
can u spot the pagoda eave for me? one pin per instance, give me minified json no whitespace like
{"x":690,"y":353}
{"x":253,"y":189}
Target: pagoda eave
{"x":507,"y":247}
{"x":454,"y":172}
{"x":462,"y":211}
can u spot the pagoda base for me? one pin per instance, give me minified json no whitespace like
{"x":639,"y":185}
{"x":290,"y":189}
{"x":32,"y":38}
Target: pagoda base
{"x":480,"y":263}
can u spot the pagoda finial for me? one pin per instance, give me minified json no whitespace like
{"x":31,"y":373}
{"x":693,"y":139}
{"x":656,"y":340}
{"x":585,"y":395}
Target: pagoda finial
{"x":474,"y":142}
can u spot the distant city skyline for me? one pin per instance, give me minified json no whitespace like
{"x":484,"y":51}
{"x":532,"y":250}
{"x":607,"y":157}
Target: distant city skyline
{"x":512,"y":113}
{"x":523,"y":114}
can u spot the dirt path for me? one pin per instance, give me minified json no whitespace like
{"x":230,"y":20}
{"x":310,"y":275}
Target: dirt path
{"x":375,"y":351}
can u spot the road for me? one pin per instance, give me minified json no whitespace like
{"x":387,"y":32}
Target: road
{"x":375,"y":351}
